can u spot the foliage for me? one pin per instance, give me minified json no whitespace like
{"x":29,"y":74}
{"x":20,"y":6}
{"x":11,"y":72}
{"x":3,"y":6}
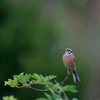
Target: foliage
{"x":9,"y":98}
{"x":27,"y":80}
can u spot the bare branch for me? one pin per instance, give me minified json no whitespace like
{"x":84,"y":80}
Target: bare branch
{"x":62,"y":83}
{"x":65,"y":95}
{"x":36,"y":89}
{"x":68,"y":73}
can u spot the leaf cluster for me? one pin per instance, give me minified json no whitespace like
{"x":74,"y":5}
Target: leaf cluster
{"x":9,"y":98}
{"x":28,"y":80}
{"x":54,"y":96}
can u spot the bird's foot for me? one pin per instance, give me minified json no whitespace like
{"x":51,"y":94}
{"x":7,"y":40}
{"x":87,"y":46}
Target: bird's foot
{"x":68,"y":72}
{"x":70,"y":67}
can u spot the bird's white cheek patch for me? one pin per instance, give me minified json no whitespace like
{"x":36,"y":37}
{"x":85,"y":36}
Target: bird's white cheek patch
{"x":67,"y":54}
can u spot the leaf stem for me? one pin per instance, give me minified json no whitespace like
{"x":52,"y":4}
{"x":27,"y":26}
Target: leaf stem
{"x":49,"y":88}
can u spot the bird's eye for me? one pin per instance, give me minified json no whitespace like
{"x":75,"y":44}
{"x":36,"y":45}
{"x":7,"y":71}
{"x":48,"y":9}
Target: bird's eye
{"x":71,"y":51}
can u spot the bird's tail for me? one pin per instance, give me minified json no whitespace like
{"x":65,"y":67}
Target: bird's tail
{"x":75,"y":76}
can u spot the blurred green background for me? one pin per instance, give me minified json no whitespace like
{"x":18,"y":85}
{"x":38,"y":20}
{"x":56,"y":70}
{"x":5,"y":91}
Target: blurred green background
{"x":33,"y":38}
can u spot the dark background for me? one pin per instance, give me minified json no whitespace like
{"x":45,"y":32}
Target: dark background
{"x":33,"y":38}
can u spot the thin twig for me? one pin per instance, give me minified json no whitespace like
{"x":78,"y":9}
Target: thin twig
{"x":56,"y":82}
{"x":62,"y":91}
{"x":62,"y":83}
{"x":68,"y":73}
{"x":36,"y":89}
{"x":65,"y":95}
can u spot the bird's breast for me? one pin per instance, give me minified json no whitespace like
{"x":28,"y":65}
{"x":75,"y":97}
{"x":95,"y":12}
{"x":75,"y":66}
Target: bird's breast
{"x":68,"y":61}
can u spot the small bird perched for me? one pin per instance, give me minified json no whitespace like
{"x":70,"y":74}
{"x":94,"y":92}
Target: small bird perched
{"x":69,"y":62}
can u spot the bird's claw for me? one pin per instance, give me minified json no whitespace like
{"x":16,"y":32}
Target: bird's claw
{"x":68,"y":72}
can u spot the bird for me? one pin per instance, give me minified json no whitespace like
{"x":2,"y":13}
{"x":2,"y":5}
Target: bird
{"x":70,"y":63}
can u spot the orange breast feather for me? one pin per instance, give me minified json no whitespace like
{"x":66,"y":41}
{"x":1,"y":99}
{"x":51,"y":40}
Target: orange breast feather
{"x":69,"y":61}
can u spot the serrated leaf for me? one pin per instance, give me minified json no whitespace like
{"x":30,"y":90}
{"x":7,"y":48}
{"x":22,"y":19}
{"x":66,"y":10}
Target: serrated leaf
{"x":12,"y":83}
{"x":48,"y":96}
{"x":23,"y":78}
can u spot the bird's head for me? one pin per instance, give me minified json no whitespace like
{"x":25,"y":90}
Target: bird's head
{"x":68,"y":52}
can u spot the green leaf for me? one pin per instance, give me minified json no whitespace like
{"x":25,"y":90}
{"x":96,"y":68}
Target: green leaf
{"x":36,"y":76}
{"x":23,"y":78}
{"x":42,"y":77}
{"x":70,"y":88}
{"x":48,"y":96}
{"x":49,"y":83}
{"x":46,"y":79}
{"x":52,"y":76}
{"x":55,"y":96}
{"x":9,"y":98}
{"x":12,"y":83}
{"x":6,"y":82}
{"x":57,"y":86}
{"x":74,"y":99}
{"x":15,"y":77}
{"x":41,"y":99}
{"x":36,"y":81}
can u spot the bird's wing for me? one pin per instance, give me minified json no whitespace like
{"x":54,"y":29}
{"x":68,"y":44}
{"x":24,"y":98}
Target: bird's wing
{"x":74,"y":60}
